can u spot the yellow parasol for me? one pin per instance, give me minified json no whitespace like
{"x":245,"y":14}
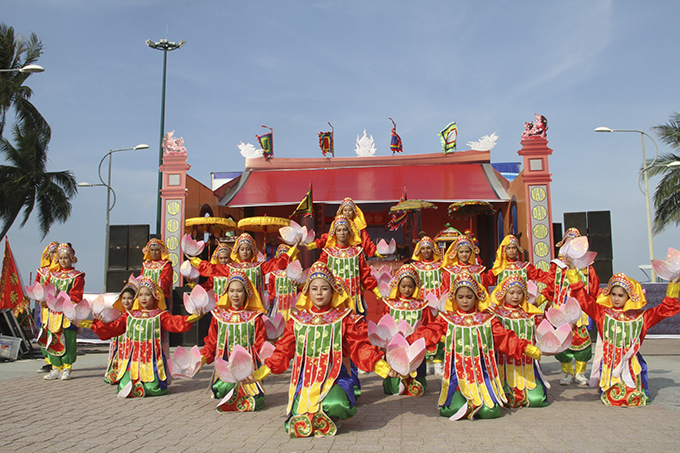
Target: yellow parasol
{"x":211,"y":224}
{"x":412,"y":205}
{"x":264,"y":224}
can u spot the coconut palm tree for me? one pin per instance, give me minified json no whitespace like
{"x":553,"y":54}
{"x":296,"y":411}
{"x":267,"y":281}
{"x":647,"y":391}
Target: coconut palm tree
{"x":15,"y":53}
{"x":25,"y":184}
{"x":667,"y":193}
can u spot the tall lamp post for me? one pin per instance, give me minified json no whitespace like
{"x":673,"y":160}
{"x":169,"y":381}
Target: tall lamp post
{"x":165,"y":46}
{"x":109,"y":189}
{"x":28,"y":69}
{"x":645,"y":167}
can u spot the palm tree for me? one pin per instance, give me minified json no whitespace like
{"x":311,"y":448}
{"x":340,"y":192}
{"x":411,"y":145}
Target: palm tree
{"x":15,"y":53}
{"x":667,"y":193}
{"x":25,"y":183}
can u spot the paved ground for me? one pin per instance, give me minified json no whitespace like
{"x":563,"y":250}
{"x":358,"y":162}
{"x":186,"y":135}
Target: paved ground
{"x":84,"y":414}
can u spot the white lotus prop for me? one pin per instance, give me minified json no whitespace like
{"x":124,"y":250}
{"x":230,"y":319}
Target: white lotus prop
{"x":669,"y":269}
{"x":199,"y":301}
{"x":436,"y":304}
{"x":533,"y":291}
{"x":190,"y":247}
{"x":295,"y":272}
{"x":296,"y":234}
{"x":57,"y":304}
{"x":568,"y":313}
{"x":386,"y":249}
{"x":274,"y":326}
{"x":404,"y":358}
{"x":404,"y":328}
{"x":267,"y":350}
{"x":577,"y":250}
{"x":77,"y":312}
{"x":185,"y":364}
{"x":188,"y":271}
{"x":104,"y":311}
{"x":40,"y":292}
{"x":553,"y":341}
{"x":239,"y":367}
{"x":380,"y":334}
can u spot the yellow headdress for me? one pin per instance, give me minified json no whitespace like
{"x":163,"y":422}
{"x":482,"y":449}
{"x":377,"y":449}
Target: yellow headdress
{"x":320,"y":270}
{"x":281,"y":250}
{"x":65,"y":248}
{"x":407,"y":270}
{"x":501,"y":258}
{"x":354,"y":234}
{"x":636,"y":296}
{"x":131,"y":285}
{"x":571,"y":233}
{"x":466,"y":280}
{"x":245,"y":238}
{"x":158,"y":244}
{"x":499,"y":292}
{"x":45,"y":257}
{"x":426,"y":240}
{"x":220,"y":248}
{"x":252,"y":302}
{"x":451,"y":255}
{"x":359,"y":219}
{"x":156,"y":292}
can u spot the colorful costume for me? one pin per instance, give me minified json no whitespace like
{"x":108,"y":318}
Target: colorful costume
{"x":451,"y":266}
{"x":218,"y":283}
{"x":117,"y":343}
{"x":42,"y":276}
{"x":282,"y":291}
{"x":429,"y":271}
{"x":317,"y":339}
{"x":556,"y":293}
{"x":347,"y":263}
{"x":623,"y":371}
{"x":415,"y":312}
{"x":359,"y":220}
{"x":57,"y":336}
{"x":522,"y":381}
{"x":503,"y":267}
{"x":472,"y":383}
{"x":158,"y":270}
{"x":141,"y":360}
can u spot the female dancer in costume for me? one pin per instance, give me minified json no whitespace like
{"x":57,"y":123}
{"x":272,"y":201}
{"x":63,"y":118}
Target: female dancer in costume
{"x":350,"y":210}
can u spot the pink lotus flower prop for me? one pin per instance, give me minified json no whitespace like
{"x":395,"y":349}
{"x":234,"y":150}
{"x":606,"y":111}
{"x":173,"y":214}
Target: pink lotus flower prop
{"x":380,"y":334}
{"x":191,"y":247}
{"x":185,"y":364}
{"x":40,"y":292}
{"x":533,"y":291}
{"x":274,"y":326}
{"x":568,"y":313}
{"x":101,"y":310}
{"x":553,"y":341}
{"x":384,"y":289}
{"x":58,"y":303}
{"x":577,"y":250}
{"x":669,"y":269}
{"x":404,"y":358}
{"x":404,"y":328}
{"x":435,"y":303}
{"x":199,"y":301}
{"x":296,"y":234}
{"x":386,"y":249}
{"x":239,"y":366}
{"x":77,"y":312}
{"x":261,"y":257}
{"x":267,"y":350}
{"x":294,"y":272}
{"x":188,"y":271}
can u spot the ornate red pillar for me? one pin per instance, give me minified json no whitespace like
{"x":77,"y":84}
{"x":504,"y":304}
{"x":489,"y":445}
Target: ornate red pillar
{"x":173,"y":195}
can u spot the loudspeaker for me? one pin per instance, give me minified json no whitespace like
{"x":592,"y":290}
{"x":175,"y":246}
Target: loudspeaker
{"x":9,"y":326}
{"x":138,"y":236}
{"x":200,"y":328}
{"x":600,"y":234}
{"x":116,"y":279}
{"x":557,"y":235}
{"x":576,"y":220}
{"x":118,"y":247}
{"x":603,"y":269}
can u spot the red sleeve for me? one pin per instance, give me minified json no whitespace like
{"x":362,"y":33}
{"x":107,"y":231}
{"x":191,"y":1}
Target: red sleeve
{"x":271,"y":288}
{"x":367,"y":280}
{"x":355,"y":344}
{"x":489,"y":278}
{"x":207,"y":269}
{"x":386,"y":308}
{"x":260,"y":336}
{"x":113,"y":329}
{"x":668,"y":307}
{"x":165,"y":280}
{"x":549,"y":290}
{"x":428,"y":317}
{"x":175,"y":323}
{"x":593,"y":282}
{"x":506,"y":341}
{"x":324,"y":257}
{"x":208,"y":284}
{"x":279,"y":263}
{"x":446,"y":280}
{"x":76,"y":293}
{"x":367,"y":244}
{"x":285,"y":350}
{"x":588,"y":303}
{"x":432,"y":332}
{"x":210,"y":342}
{"x":539,"y":275}
{"x":321,"y":241}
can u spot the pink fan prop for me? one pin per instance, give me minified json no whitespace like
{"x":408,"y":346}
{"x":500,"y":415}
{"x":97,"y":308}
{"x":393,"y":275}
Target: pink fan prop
{"x":553,"y":341}
{"x":267,"y":350}
{"x":435,"y":303}
{"x":669,"y":269}
{"x":569,"y":313}
{"x":404,"y":358}
{"x":188,"y":271}
{"x":40,"y":292}
{"x":386,"y":249}
{"x":274,"y":326}
{"x":295,"y":234}
{"x":58,"y":303}
{"x":294,"y":272}
{"x":103,"y":311}
{"x":191,"y":247}
{"x":185,"y":364}
{"x":380,"y":334}
{"x":199,"y":301}
{"x":239,"y":366}
{"x":77,"y":312}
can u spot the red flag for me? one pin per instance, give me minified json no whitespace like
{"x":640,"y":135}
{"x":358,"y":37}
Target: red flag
{"x":11,"y":287}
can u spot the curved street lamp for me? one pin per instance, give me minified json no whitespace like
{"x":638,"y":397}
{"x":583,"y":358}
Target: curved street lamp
{"x":28,"y":69}
{"x":645,"y":167}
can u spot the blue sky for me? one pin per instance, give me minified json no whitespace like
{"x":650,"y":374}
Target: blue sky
{"x":296,"y":65}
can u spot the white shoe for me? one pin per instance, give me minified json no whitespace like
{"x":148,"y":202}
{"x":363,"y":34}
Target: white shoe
{"x":581,"y":379}
{"x":66,"y":375}
{"x":52,"y":375}
{"x":439,"y":369}
{"x":567,"y":379}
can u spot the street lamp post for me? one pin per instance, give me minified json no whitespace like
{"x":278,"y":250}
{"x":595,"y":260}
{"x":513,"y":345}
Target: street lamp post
{"x":109,"y":189}
{"x":28,"y":69}
{"x":645,"y":167}
{"x":166,"y":47}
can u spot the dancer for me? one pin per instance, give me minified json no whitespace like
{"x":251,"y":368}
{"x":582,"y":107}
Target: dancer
{"x":461,"y":256}
{"x":218,"y":283}
{"x":428,"y":262}
{"x":158,"y":267}
{"x":123,"y":304}
{"x":42,"y":276}
{"x":282,"y":291}
{"x":350,"y":210}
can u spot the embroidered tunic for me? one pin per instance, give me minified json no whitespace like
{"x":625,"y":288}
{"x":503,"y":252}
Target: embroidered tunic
{"x":348,"y":264}
{"x":430,"y":273}
{"x":282,"y":292}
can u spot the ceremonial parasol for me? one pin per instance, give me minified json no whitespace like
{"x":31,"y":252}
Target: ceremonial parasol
{"x":471,"y":207}
{"x":210,"y":224}
{"x":412,"y":205}
{"x":264,"y":224}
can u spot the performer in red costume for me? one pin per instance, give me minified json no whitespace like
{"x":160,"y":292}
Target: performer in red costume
{"x":508,"y":262}
{"x":158,"y":267}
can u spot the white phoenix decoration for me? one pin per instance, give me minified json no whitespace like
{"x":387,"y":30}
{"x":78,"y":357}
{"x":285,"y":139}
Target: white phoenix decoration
{"x":365,"y":146}
{"x":248,"y":150}
{"x":485,"y":143}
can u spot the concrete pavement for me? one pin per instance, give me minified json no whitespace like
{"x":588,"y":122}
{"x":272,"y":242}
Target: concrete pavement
{"x":84,"y":414}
